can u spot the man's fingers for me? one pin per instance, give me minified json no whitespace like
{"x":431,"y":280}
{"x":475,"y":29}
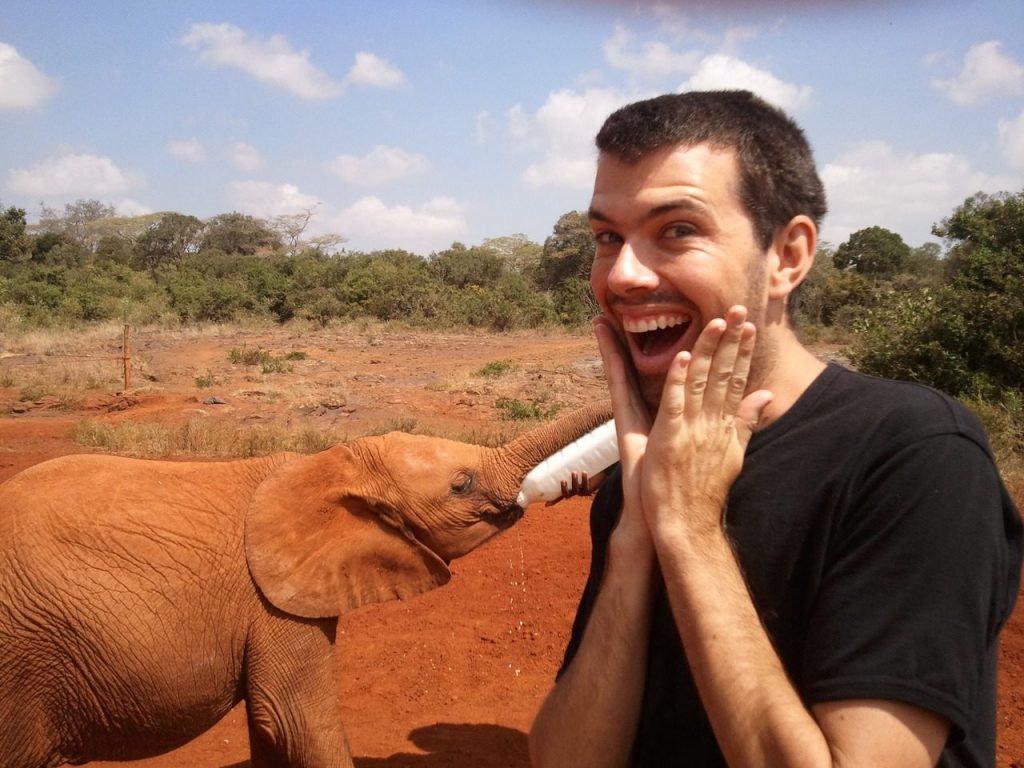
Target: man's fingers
{"x":748,"y":415}
{"x":632,"y":419}
{"x":630,"y":410}
{"x":736,"y":387}
{"x":699,"y":368}
{"x":717,"y":374}
{"x":722,"y":375}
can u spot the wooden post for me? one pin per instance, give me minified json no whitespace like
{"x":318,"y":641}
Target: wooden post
{"x":127,"y":362}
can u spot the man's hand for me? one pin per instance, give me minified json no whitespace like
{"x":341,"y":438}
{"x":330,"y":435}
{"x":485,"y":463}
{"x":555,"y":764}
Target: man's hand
{"x":632,"y":424}
{"x":704,"y":422}
{"x":679,"y":469}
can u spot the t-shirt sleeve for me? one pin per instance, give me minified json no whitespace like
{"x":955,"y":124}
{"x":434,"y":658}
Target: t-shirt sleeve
{"x":921,"y":579}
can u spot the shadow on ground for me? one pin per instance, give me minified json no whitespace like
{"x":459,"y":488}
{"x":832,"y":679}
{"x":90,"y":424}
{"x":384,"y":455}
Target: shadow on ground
{"x":458,"y":745}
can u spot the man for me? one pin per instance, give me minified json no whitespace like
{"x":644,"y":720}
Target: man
{"x":794,"y":564}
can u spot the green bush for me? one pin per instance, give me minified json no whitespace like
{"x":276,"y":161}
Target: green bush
{"x":268,"y":363}
{"x":495,"y":368}
{"x":966,"y":336}
{"x":461,"y":267}
{"x":574,"y":302}
{"x":512,"y":409}
{"x":912,"y":337}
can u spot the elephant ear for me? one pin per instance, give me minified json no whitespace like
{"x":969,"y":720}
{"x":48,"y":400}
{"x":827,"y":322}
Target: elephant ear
{"x":317,"y":546}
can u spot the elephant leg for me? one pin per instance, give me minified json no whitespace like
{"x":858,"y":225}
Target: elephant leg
{"x":294,"y":715}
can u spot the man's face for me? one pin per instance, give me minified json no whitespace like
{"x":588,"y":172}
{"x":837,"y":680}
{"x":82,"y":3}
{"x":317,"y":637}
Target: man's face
{"x":675,"y":249}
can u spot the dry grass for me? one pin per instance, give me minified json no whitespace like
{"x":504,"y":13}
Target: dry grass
{"x":60,"y":341}
{"x":63,"y":382}
{"x":201,"y":437}
{"x":1011,"y":467}
{"x":56,"y":365}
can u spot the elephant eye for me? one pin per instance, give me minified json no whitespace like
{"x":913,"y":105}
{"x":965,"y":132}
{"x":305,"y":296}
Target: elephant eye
{"x":463,"y":483}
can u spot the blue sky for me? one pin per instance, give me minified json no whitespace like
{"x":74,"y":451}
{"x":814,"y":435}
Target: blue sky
{"x":416,"y":124}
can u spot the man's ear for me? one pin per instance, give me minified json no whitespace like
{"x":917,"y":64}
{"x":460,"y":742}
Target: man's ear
{"x":793,"y":252}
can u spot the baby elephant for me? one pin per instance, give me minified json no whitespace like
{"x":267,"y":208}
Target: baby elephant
{"x":141,"y":600}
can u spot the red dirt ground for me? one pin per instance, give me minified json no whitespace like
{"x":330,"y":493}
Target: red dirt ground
{"x":450,"y":679}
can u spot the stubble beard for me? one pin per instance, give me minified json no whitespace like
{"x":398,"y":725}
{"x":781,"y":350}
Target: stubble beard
{"x":762,"y":362}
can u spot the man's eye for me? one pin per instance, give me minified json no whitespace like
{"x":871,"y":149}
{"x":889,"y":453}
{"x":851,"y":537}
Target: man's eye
{"x":677,"y":231}
{"x":606,"y":238}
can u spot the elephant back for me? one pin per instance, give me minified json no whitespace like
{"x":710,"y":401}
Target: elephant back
{"x":124,"y":576}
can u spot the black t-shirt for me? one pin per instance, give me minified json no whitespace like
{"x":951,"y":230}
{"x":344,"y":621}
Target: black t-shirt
{"x":883,"y":555}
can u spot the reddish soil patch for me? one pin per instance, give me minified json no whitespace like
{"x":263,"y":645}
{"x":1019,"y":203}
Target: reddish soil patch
{"x":452,"y":678}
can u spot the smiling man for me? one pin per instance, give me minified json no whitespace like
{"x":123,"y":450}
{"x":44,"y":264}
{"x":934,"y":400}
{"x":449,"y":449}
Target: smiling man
{"x":794,"y":564}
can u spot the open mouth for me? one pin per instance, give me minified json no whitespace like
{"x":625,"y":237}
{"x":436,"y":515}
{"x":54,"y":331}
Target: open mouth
{"x":655,"y":337}
{"x":503,"y":517}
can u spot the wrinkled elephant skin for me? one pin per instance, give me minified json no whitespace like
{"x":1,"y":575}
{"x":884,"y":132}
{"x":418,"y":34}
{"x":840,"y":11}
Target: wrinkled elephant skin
{"x":141,"y":600}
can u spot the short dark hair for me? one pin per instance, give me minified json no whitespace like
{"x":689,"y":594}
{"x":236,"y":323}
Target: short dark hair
{"x":778,"y":178}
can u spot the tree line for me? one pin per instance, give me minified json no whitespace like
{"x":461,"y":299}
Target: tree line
{"x":86,"y":264}
{"x":952,"y":318}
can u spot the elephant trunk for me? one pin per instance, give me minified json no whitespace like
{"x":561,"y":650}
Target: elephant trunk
{"x":510,"y":463}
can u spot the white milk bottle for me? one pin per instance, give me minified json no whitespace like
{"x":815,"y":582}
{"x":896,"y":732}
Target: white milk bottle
{"x":594,"y":452}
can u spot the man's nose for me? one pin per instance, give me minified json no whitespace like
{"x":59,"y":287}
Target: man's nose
{"x":630,"y":273}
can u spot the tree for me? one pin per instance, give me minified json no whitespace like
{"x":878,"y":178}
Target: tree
{"x":827,"y":294}
{"x":74,"y":222}
{"x":574,"y":302}
{"x":992,"y":221}
{"x":324,"y":245}
{"x":168,"y":241}
{"x":239,"y":233}
{"x":520,"y":253}
{"x":390,"y":285}
{"x":126,"y":228}
{"x":460,"y":266}
{"x":15,"y":244}
{"x":925,"y":264}
{"x":966,"y":336}
{"x":872,"y":251}
{"x":568,"y":251}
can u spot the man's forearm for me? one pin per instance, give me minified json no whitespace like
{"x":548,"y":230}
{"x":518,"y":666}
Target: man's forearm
{"x":756,"y":713}
{"x":591,"y":715}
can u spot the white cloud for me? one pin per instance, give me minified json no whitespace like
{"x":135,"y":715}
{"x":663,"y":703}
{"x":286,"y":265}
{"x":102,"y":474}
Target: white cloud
{"x":22,"y":85}
{"x":483,"y":127}
{"x":271,"y":60}
{"x":872,"y":184}
{"x":655,"y":59}
{"x":266,"y":200}
{"x":370,"y":224}
{"x":245,"y":157}
{"x":187,"y":150}
{"x":379,"y":166}
{"x":1011,"y":137}
{"x":73,"y":175}
{"x":373,"y":71}
{"x":518,"y":124}
{"x":564,"y":129}
{"x":126,"y":206}
{"x":734,"y":36}
{"x":673,"y":21}
{"x":719,"y":71}
{"x":554,"y":171}
{"x":987,"y":72}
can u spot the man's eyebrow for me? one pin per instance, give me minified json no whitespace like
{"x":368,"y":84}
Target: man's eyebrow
{"x":685,"y":204}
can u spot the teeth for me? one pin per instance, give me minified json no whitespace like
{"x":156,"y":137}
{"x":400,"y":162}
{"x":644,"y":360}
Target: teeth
{"x":652,"y":323}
